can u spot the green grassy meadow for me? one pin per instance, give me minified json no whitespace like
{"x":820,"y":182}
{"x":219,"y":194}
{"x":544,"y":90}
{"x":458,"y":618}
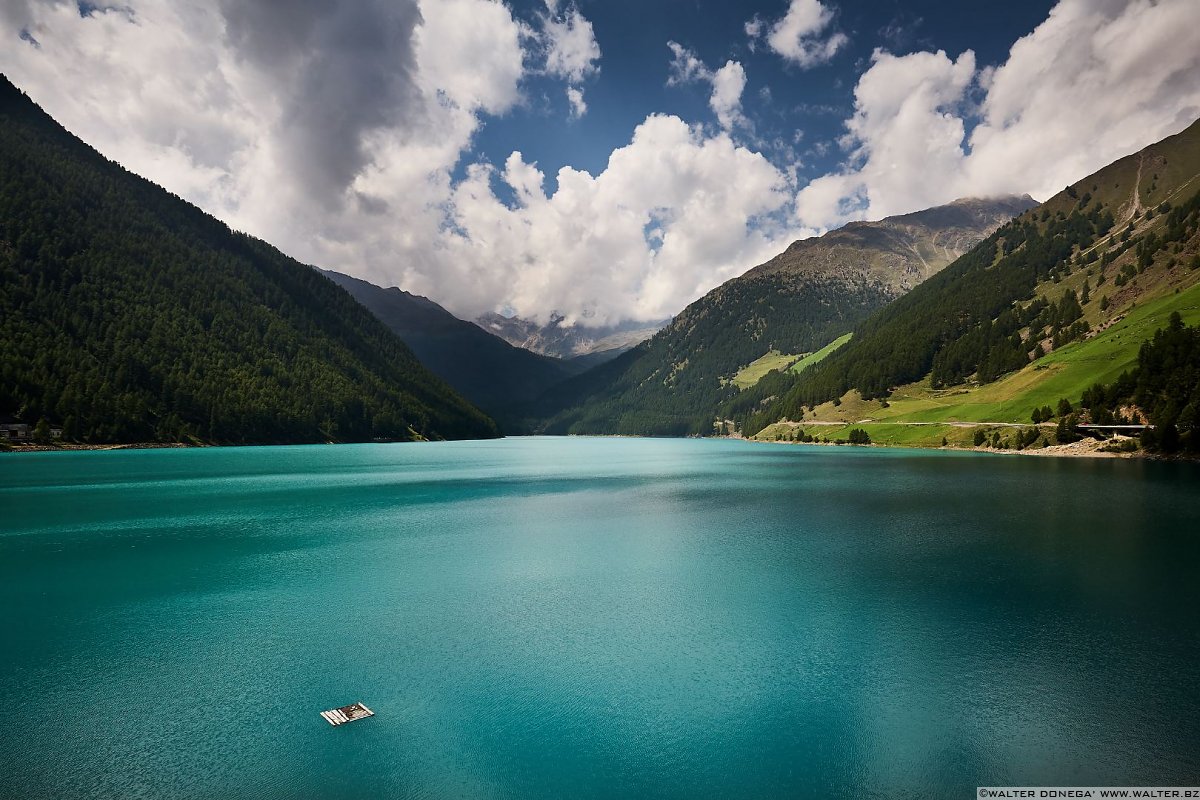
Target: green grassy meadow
{"x":820,"y":355}
{"x":1066,"y":372}
{"x":754,"y":372}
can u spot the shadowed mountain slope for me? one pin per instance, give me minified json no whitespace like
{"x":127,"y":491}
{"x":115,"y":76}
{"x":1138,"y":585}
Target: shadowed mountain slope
{"x":128,"y":314}
{"x":498,"y":377}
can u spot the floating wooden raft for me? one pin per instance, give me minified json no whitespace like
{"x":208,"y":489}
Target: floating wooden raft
{"x":350,"y":713}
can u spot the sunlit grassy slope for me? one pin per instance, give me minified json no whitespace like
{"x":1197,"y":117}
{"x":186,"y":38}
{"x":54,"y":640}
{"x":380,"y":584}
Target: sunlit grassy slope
{"x":753,"y":372}
{"x":819,"y":356}
{"x":756,"y":370}
{"x":917,"y":415}
{"x":1066,"y":372}
{"x":888,"y":433}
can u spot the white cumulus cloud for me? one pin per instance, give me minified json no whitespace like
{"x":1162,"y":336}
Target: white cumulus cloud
{"x":802,"y":36}
{"x":576,"y":101}
{"x":1097,"y":80}
{"x":571,"y":47}
{"x":672,"y":212}
{"x":470,"y":52}
{"x":727,"y":84}
{"x":726,"y":100}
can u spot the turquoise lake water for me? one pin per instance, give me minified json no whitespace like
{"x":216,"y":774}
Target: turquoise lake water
{"x":543,"y":618}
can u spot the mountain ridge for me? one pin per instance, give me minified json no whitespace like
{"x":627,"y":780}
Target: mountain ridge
{"x":944,"y":232}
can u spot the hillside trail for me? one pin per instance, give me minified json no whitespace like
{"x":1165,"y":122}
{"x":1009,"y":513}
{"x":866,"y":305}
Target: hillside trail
{"x":916,"y":251}
{"x":1134,"y":209}
{"x":1130,"y":212}
{"x":1135,"y":206}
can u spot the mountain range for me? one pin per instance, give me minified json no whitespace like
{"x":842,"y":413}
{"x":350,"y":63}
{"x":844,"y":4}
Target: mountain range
{"x":129,"y":315}
{"x":792,"y":305}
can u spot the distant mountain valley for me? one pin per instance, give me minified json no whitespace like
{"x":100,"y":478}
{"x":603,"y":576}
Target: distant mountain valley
{"x":502,"y":379}
{"x":587,"y":346}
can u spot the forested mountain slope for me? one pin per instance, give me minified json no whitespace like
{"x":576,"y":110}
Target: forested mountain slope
{"x":499,"y":378}
{"x":1058,"y":299}
{"x":127,"y":314}
{"x":794,"y":304}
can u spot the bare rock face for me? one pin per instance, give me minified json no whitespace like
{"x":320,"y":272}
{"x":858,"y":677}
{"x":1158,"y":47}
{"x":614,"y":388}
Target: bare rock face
{"x":896,"y":252}
{"x":848,"y":271}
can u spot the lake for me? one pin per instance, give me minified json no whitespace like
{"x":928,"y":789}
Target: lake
{"x":550,"y":617}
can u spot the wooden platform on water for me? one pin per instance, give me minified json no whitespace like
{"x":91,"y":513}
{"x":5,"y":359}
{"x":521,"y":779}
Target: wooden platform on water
{"x":350,"y":713}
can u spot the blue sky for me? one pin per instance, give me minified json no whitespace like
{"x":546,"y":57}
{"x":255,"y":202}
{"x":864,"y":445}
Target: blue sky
{"x":443,"y":145}
{"x":634,"y":67}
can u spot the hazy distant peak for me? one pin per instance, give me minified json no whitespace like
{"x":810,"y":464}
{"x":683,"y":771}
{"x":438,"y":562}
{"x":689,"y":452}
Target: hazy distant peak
{"x":568,"y":341}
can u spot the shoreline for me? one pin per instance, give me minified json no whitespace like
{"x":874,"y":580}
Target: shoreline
{"x":55,"y":448}
{"x":51,"y":448}
{"x":1086,"y":448}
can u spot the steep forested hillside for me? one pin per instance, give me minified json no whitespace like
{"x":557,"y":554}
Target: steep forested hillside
{"x":1058,"y":298}
{"x":488,"y":371}
{"x":1164,"y":387}
{"x":127,"y":314}
{"x":815,"y":291}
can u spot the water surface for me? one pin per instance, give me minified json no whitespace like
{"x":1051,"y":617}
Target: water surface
{"x":594,"y":618}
